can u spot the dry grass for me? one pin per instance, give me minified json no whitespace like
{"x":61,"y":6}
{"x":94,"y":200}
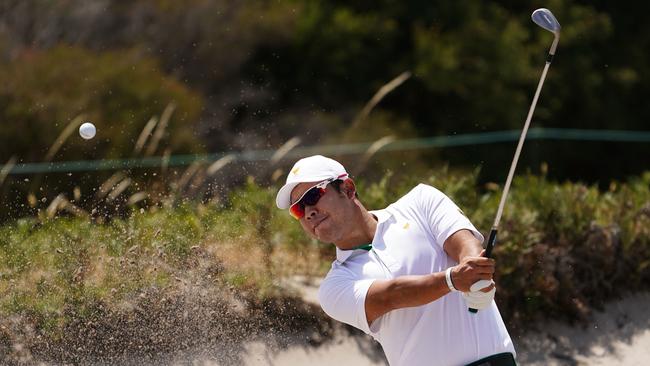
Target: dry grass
{"x":160,"y":129}
{"x":144,"y":135}
{"x":63,"y":137}
{"x":379,"y":95}
{"x":4,"y":172}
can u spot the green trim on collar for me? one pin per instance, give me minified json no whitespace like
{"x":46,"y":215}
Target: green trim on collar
{"x":364,"y":247}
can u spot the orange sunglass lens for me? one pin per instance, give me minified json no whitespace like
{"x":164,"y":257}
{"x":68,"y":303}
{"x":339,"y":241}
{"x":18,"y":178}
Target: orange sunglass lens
{"x":297,"y":211}
{"x":310,"y":198}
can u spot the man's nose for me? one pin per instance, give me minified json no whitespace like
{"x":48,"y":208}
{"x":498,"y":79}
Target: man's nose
{"x":310,"y":212}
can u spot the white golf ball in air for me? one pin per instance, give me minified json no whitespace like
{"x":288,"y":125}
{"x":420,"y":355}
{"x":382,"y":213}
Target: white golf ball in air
{"x":87,"y":130}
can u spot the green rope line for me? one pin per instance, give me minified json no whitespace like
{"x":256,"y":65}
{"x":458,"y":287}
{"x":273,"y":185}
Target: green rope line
{"x":343,"y":149}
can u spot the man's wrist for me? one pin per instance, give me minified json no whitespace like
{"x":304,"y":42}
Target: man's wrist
{"x":450,"y":283}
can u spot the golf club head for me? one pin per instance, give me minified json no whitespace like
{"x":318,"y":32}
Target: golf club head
{"x":545,"y":19}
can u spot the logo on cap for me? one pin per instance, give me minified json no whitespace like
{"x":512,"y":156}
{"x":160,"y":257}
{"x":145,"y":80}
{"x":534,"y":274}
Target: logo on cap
{"x":295,"y":171}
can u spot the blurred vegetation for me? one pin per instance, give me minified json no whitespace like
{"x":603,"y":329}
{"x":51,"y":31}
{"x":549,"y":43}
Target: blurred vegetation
{"x":200,"y":279}
{"x":119,"y":91}
{"x":253,"y":74}
{"x":564,"y":250}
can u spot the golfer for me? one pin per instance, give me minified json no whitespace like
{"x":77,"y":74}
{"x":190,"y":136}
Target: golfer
{"x":406,"y":274}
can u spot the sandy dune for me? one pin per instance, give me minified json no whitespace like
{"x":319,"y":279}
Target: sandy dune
{"x":620,"y":335}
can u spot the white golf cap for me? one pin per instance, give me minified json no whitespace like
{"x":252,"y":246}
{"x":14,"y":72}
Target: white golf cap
{"x":315,"y":168}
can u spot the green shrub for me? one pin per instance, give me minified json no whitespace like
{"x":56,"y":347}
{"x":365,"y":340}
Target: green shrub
{"x":119,"y":91}
{"x":564,"y":248}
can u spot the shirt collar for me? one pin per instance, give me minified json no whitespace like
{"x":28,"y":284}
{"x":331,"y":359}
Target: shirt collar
{"x":343,"y":255}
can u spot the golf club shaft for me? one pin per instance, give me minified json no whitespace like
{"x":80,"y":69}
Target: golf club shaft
{"x":520,"y":145}
{"x":492,"y":239}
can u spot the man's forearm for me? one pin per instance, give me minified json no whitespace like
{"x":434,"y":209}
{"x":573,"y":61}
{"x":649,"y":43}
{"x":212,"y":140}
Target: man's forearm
{"x":470,"y":250}
{"x":462,"y":244}
{"x":408,"y":291}
{"x":403,"y":292}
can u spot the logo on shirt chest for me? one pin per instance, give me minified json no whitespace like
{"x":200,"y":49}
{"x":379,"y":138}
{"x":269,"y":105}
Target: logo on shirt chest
{"x":409,"y":249}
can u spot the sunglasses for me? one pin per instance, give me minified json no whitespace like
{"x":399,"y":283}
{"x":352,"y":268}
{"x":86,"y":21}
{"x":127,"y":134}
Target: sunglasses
{"x":309,"y":198}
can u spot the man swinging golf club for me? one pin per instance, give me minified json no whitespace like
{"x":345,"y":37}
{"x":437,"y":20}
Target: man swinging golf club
{"x":405,"y":274}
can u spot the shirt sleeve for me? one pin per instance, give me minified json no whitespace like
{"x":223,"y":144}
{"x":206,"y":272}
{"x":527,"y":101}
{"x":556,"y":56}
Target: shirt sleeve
{"x":442,"y":214}
{"x":344,"y":299}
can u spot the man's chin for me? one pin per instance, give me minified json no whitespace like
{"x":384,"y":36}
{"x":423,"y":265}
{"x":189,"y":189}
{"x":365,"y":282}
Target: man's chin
{"x":321,"y":237}
{"x":322,"y":233}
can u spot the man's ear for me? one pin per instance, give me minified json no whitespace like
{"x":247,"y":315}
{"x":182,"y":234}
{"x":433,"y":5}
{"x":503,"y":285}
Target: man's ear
{"x":348,"y":188}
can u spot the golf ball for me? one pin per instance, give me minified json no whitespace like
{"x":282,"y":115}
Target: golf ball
{"x":87,"y":130}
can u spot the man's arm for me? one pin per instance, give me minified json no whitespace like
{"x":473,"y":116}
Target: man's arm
{"x":461,"y":244}
{"x":407,"y":291}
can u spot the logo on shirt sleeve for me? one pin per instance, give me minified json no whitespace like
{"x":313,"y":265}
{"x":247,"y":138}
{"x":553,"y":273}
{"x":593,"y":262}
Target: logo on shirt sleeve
{"x":406,"y":226}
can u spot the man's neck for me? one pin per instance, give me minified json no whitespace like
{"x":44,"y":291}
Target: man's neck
{"x":363,"y":233}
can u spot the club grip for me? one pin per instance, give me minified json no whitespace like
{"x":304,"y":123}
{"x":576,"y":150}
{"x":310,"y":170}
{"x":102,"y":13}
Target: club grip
{"x":492,"y":240}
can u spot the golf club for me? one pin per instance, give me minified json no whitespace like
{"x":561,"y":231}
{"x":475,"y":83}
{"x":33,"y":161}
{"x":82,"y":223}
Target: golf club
{"x":545,"y":19}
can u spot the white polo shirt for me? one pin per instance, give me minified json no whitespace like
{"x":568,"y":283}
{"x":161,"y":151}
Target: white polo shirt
{"x":409,"y":241}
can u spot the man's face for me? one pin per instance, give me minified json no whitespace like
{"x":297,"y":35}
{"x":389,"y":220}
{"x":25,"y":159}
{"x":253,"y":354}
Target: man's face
{"x":326,"y":220}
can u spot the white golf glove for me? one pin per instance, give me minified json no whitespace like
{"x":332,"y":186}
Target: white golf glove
{"x":477,"y":299}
